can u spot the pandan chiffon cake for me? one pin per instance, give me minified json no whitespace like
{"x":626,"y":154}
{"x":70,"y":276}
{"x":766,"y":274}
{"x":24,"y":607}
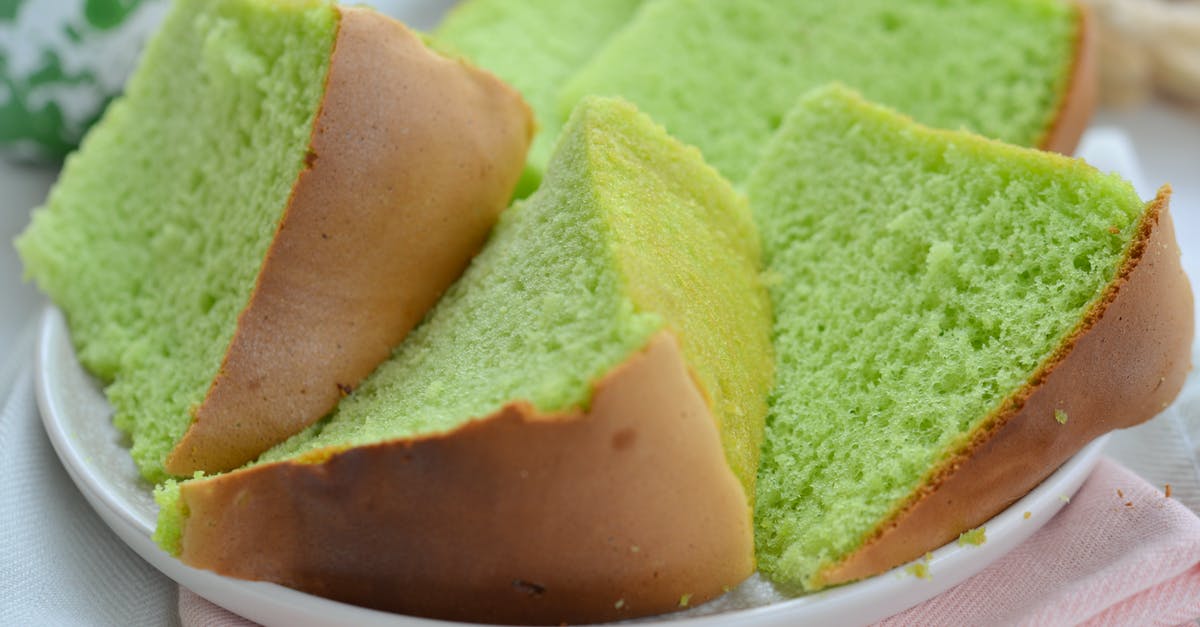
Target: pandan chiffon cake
{"x":721,"y":74}
{"x":275,"y":201}
{"x":941,"y":302}
{"x":571,"y":435}
{"x":616,"y":411}
{"x":536,"y":46}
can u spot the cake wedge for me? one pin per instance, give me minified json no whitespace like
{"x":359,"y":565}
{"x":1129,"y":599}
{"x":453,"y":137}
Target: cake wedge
{"x":571,"y":436}
{"x":722,"y":74}
{"x":281,"y":194}
{"x":954,"y":318}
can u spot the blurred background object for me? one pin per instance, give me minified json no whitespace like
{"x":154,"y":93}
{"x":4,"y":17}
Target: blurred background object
{"x":61,"y":62}
{"x":419,"y":14}
{"x":1148,"y":47}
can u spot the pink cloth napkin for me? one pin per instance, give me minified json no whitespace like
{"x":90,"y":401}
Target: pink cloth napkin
{"x":1131,"y":558}
{"x":1106,"y":559}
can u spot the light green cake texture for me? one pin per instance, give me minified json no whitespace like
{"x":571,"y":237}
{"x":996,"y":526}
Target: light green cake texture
{"x":918,"y":279}
{"x":721,"y":74}
{"x":535,"y":46}
{"x":152,"y":238}
{"x":630,"y":233}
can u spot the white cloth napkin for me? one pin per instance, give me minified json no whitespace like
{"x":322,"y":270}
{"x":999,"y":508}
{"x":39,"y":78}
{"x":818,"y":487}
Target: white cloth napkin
{"x":59,"y":563}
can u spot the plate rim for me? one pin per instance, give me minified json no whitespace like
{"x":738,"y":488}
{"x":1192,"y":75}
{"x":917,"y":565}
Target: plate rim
{"x":864,"y":601}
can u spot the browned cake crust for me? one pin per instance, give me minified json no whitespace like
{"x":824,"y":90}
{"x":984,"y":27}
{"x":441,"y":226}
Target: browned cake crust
{"x":1079,"y":99}
{"x":412,"y":158}
{"x":1125,"y":363}
{"x":627,"y":509}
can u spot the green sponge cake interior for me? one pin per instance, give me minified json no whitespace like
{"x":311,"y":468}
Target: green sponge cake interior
{"x":154,"y":295}
{"x":275,"y":202}
{"x":534,"y":45}
{"x":582,"y":410}
{"x":630,"y":233}
{"x":919,"y":278}
{"x":722,"y":74}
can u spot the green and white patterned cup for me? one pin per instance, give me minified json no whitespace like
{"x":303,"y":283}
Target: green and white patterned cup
{"x":61,"y":62}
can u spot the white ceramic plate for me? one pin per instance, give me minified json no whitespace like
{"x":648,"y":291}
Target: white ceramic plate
{"x":77,"y":419}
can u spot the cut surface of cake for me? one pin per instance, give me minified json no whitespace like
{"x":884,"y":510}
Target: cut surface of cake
{"x":281,"y":194}
{"x":940,"y":300}
{"x":534,"y":45}
{"x":721,"y":74}
{"x":581,"y":413}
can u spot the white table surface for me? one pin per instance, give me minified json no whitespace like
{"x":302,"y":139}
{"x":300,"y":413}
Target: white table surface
{"x":1167,"y":144}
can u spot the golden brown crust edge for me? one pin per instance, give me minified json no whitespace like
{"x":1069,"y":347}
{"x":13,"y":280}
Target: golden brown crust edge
{"x":1079,"y":101}
{"x":412,"y":158}
{"x":1125,"y":363}
{"x":625,"y":510}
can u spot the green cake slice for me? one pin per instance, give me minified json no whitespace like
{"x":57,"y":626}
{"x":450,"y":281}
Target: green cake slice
{"x":940,"y":301}
{"x":572,"y":434}
{"x":721,"y":74}
{"x":274,"y":202}
{"x":534,"y":45}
